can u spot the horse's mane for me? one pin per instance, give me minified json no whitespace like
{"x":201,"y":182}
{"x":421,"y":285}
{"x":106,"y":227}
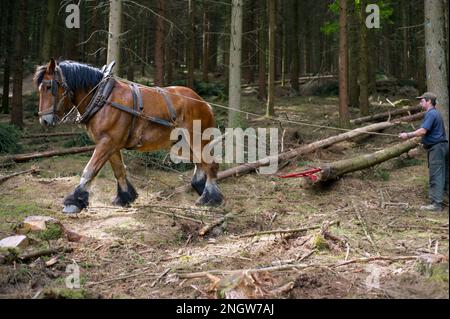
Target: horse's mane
{"x":78,"y":75}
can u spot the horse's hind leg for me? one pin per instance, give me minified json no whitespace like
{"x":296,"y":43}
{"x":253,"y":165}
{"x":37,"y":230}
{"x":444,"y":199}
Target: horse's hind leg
{"x":211,"y":196}
{"x":198,"y":180}
{"x":126,"y":194}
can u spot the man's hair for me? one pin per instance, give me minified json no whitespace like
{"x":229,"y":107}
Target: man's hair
{"x":433,"y":101}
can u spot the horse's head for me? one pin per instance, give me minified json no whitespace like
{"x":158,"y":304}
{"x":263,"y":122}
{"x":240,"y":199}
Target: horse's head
{"x":54,"y":94}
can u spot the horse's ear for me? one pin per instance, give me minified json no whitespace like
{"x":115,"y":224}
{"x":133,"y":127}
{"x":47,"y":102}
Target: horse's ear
{"x":51,"y":66}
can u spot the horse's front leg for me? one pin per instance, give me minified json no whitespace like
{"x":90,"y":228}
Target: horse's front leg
{"x":76,"y":201}
{"x":126,"y":194}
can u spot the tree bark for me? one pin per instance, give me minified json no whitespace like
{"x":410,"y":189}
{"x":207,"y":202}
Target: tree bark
{"x":296,"y":48}
{"x":206,"y":43}
{"x":363,"y":64}
{"x":234,"y":96}
{"x":191,"y":45}
{"x":18,"y":158}
{"x":159,"y":44}
{"x":436,"y":65}
{"x":353,"y":52}
{"x":385,"y":115}
{"x":262,"y":52}
{"x":333,"y":170}
{"x":48,"y":45}
{"x":7,"y":62}
{"x":19,"y":42}
{"x":115,"y":27}
{"x":271,"y":81}
{"x":344,"y":115}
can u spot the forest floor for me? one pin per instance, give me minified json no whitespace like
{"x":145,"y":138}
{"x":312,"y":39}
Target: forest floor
{"x":139,"y":252}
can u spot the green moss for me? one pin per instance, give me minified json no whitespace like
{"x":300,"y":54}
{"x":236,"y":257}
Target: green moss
{"x":319,"y":242}
{"x":53,"y":232}
{"x":436,"y":272}
{"x":65,"y":293}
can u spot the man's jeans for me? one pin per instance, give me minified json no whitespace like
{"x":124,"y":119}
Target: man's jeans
{"x":438,"y":172}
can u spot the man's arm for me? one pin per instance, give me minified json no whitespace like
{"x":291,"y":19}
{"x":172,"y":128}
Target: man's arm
{"x":420,"y":132}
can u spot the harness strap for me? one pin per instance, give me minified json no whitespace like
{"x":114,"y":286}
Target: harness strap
{"x":137,"y":104}
{"x":141,"y":115}
{"x":172,"y":112}
{"x":99,"y":99}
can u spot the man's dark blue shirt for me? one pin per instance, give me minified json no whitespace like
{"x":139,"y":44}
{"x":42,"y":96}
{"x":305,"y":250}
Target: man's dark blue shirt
{"x":434,"y":124}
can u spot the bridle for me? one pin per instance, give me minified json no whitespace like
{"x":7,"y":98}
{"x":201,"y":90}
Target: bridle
{"x":54,"y":85}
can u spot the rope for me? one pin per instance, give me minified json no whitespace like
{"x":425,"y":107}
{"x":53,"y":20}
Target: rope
{"x":259,"y":115}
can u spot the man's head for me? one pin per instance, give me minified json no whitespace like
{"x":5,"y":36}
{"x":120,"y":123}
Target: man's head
{"x":427,"y":100}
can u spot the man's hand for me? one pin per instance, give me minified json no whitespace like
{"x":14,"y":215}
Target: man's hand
{"x":403,"y":136}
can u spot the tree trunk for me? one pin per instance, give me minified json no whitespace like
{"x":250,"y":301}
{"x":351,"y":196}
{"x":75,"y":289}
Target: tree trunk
{"x":48,"y":45}
{"x":435,"y":55}
{"x":333,"y":170}
{"x":344,"y":115}
{"x":363,"y":64}
{"x":262,"y":52}
{"x":143,"y":46}
{"x":159,"y":45}
{"x":7,"y":61}
{"x":206,"y":26}
{"x":385,"y":115}
{"x":296,"y":48}
{"x":18,"y":158}
{"x":353,"y":52}
{"x":271,"y":81}
{"x":115,"y":27}
{"x":19,"y":42}
{"x":191,"y":45}
{"x":234,"y":96}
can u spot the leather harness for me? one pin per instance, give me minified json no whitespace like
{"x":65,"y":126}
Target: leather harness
{"x":101,"y":96}
{"x":103,"y":92}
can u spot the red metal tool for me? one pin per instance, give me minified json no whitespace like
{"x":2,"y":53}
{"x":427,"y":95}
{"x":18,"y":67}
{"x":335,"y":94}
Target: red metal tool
{"x":309,"y":174}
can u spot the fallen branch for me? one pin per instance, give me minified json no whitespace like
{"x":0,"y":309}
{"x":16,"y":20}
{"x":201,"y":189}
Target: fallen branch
{"x":386,"y":115}
{"x":205,"y":229}
{"x":177,"y":216}
{"x":89,"y":284}
{"x":45,"y":252}
{"x":366,"y":232}
{"x":369,"y":259}
{"x":6,"y":177}
{"x":229,"y":272}
{"x":287,"y":231}
{"x":165,"y":272}
{"x":298,"y":266}
{"x":52,"y":134}
{"x":18,"y":158}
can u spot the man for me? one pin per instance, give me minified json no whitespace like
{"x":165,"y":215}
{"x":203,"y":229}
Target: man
{"x":435,"y":142}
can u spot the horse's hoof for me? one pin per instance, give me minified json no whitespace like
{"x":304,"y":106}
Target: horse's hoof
{"x":208,"y":198}
{"x":71,"y":209}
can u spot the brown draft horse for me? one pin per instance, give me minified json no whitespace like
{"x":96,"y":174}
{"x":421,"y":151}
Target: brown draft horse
{"x":66,"y":84}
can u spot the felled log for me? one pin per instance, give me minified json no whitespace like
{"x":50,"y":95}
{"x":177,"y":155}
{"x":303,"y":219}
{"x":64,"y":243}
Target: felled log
{"x":56,"y":134}
{"x":6,"y":177}
{"x":386,"y":115}
{"x":18,"y":158}
{"x":249,"y":167}
{"x":339,"y":168}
